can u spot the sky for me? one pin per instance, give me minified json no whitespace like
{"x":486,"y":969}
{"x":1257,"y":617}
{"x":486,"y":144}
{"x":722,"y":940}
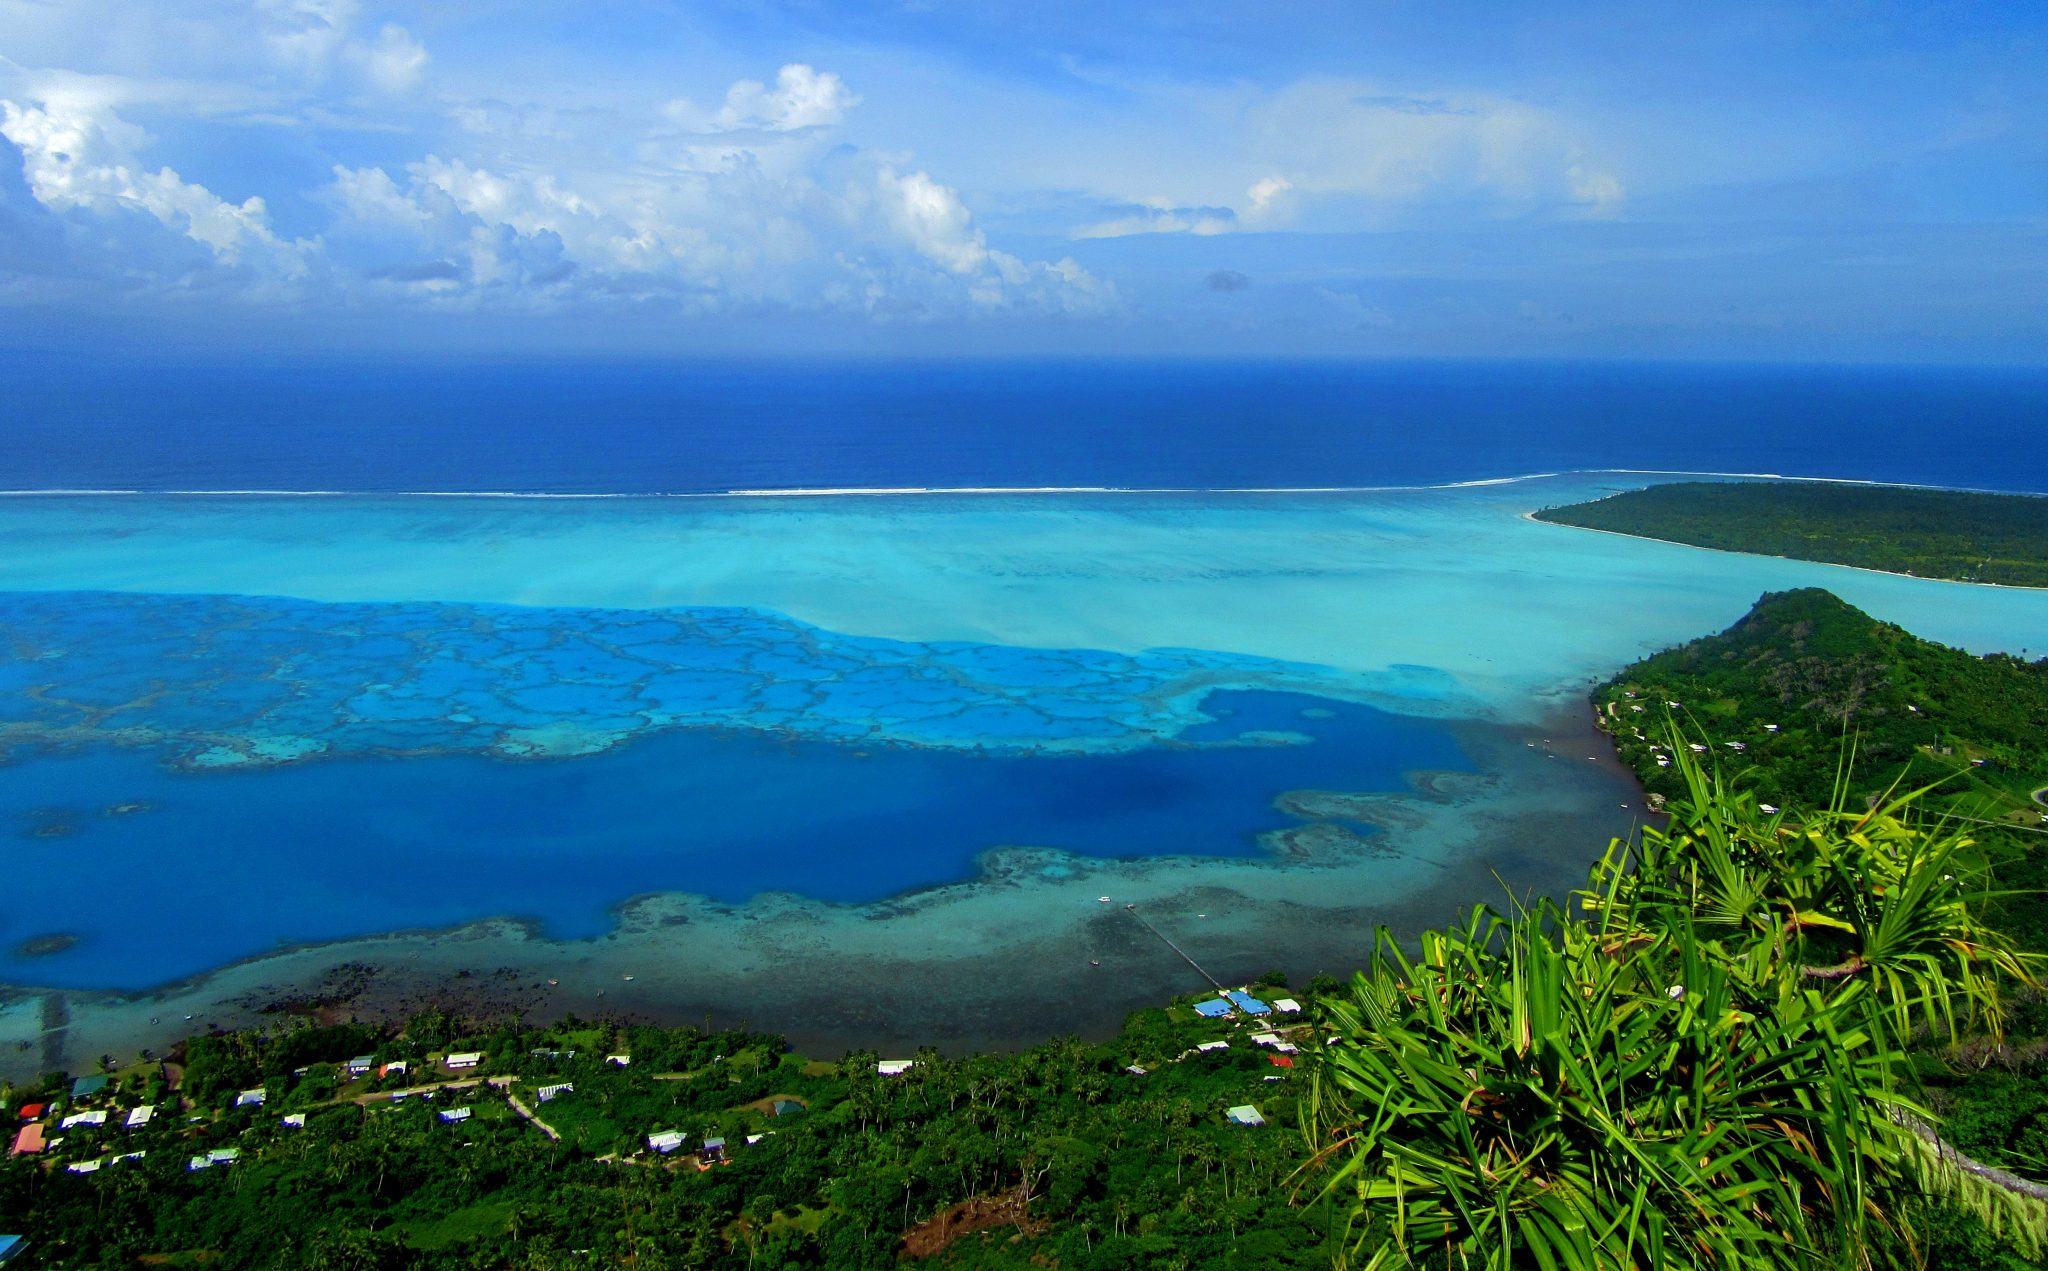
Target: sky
{"x":1830,"y":180}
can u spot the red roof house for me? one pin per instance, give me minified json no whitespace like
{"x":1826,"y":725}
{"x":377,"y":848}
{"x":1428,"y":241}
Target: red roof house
{"x":30,"y":1111}
{"x":1280,"y":1061}
{"x":30,"y":1140}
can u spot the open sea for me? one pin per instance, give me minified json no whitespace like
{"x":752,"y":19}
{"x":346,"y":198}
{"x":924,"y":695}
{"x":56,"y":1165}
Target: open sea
{"x":588,"y":428}
{"x":1271,"y":650}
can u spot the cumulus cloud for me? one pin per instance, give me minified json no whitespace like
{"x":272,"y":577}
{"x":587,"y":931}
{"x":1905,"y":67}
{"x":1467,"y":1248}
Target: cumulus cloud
{"x":318,"y":38}
{"x":802,"y":98}
{"x":1264,"y":197}
{"x":759,"y":204}
{"x":78,"y":159}
{"x":394,"y":61}
{"x":1226,"y":280}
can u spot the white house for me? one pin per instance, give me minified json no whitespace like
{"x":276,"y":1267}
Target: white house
{"x":467,"y":1059}
{"x":895,"y":1067}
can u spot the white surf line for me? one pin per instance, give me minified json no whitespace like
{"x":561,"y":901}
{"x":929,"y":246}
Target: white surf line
{"x":808,"y":492}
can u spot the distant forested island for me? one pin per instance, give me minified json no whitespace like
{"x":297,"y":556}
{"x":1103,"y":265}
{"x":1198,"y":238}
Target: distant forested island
{"x":1953,"y":534}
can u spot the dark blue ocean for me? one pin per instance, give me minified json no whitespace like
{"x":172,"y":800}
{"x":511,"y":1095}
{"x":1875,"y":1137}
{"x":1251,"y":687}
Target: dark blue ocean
{"x":586,"y":427}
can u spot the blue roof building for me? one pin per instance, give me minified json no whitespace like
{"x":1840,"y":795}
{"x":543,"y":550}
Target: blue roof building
{"x":11,"y":1247}
{"x":1247,"y":1003}
{"x":88,"y":1086}
{"x":1212,"y":1008}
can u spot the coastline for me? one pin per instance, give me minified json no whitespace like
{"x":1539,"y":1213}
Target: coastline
{"x":1729,"y":551}
{"x":993,"y":962}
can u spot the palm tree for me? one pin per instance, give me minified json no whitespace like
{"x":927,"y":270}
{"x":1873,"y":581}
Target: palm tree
{"x":1704,"y":1068}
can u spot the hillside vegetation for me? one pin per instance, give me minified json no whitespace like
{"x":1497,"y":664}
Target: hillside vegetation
{"x":1990,"y":538}
{"x":1816,"y":693}
{"x":1803,"y":673}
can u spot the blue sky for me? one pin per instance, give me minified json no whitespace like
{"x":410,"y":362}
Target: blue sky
{"x":1859,"y":181}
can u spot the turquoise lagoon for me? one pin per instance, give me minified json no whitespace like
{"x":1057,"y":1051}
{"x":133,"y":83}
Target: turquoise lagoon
{"x":871,"y":740}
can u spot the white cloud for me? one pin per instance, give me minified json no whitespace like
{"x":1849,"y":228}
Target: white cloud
{"x":395,"y":62}
{"x":1600,"y":192}
{"x":1265,"y":196}
{"x":526,"y":205}
{"x":314,"y":39}
{"x":802,"y":98}
{"x":1159,"y":216}
{"x":75,"y":158}
{"x":783,"y":221}
{"x":1343,"y":154}
{"x":933,"y":219}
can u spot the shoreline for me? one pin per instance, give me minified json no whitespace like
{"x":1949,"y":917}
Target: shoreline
{"x":994,"y":962}
{"x":1803,"y":560}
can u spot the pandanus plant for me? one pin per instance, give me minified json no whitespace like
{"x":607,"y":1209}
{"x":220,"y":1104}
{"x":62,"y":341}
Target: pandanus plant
{"x":1702,"y":1062}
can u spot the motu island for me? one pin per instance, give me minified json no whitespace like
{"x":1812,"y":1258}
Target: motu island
{"x":1958,"y":534}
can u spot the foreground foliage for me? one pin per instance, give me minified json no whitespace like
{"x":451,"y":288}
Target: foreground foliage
{"x":1707,"y":1066}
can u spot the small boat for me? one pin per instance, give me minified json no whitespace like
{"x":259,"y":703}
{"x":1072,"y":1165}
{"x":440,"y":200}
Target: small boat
{"x":625,"y":977}
{"x":1093,"y":962}
{"x":1103,"y":899}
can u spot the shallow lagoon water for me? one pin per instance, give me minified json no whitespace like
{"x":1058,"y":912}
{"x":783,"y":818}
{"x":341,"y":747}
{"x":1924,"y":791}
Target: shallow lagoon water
{"x":1094,"y":626}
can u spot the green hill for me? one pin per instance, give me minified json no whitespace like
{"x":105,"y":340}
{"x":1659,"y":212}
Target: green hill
{"x":1803,"y":671}
{"x":1804,"y":678}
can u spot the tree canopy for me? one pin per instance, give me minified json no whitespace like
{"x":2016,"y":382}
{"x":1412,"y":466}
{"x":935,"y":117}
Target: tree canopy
{"x":1958,"y":534}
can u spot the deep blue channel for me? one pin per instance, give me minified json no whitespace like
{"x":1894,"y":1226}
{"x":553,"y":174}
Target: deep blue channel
{"x":161,"y":874}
